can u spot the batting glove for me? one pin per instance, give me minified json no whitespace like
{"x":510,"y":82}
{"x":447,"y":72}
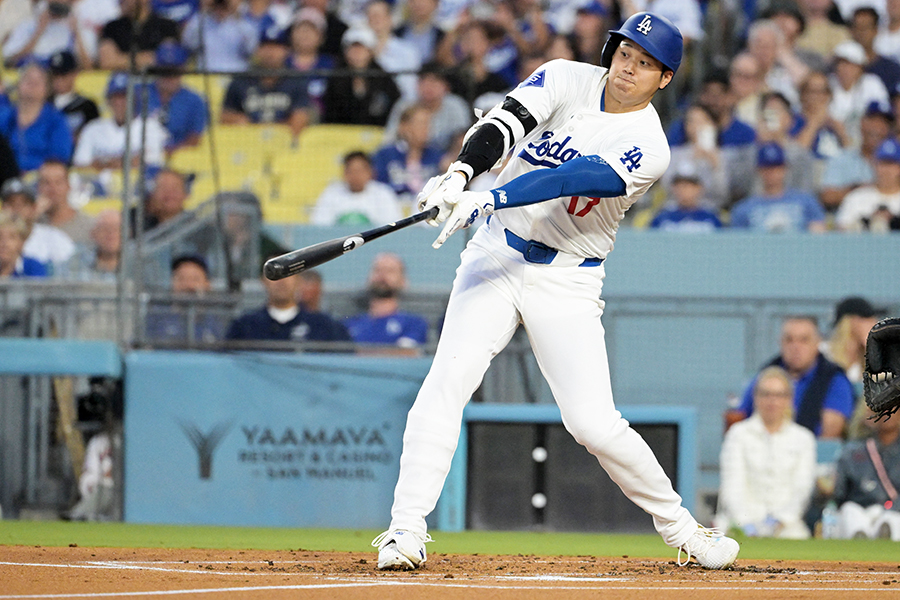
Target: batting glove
{"x":467,"y":208}
{"x":440,"y":188}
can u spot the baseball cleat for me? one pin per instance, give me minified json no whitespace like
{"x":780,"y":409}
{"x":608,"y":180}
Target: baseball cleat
{"x":400,"y":550}
{"x":711,"y":548}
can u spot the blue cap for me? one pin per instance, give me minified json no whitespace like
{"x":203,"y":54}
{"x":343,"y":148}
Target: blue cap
{"x":770,"y":154}
{"x":273,"y":34}
{"x":888,"y":150}
{"x":171,"y":54}
{"x":118,"y":84}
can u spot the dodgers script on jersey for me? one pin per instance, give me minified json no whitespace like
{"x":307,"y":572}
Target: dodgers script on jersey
{"x":565,"y":97}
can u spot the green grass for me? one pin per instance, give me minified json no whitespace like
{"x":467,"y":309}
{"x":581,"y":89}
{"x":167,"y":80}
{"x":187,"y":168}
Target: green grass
{"x":127,"y":535}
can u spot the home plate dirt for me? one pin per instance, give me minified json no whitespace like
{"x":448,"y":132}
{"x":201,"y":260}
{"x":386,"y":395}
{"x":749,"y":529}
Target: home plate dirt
{"x":39,"y":572}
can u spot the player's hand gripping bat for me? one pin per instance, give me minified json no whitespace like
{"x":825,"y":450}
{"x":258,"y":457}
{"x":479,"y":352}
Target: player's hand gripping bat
{"x":296,"y":261}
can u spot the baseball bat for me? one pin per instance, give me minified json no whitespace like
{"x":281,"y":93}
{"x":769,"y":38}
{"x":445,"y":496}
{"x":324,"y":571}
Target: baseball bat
{"x":296,"y":261}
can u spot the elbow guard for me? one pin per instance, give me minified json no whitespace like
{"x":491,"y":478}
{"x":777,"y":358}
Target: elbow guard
{"x":498,"y":131}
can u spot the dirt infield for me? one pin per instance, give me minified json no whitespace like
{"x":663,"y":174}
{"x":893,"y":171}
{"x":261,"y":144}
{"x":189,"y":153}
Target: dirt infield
{"x":42,"y":572}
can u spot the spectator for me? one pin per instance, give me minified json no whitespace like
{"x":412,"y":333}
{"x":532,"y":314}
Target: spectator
{"x":309,"y":290}
{"x":816,"y":130}
{"x":777,"y":123}
{"x":767,"y":465}
{"x":853,"y":166}
{"x":449,"y":114}
{"x":746,"y":82}
{"x":76,"y":108}
{"x":13,"y":231}
{"x":179,"y":11}
{"x":306,"y":36}
{"x":777,"y":208}
{"x":53,"y":192}
{"x":335,"y":28}
{"x":701,"y":149}
{"x":102,"y":141}
{"x":283,"y":319}
{"x":118,"y":39}
{"x":360,"y":97}
{"x":787,"y":15}
{"x":222,"y":40}
{"x":821,"y":35}
{"x":36,"y":131}
{"x":823,"y":396}
{"x":53,"y":27}
{"x":853,"y":90}
{"x":686,"y":211}
{"x":358,"y":199}
{"x":172,"y":322}
{"x":875,"y":207}
{"x":854,"y":317}
{"x":100,"y":260}
{"x":736,"y":139}
{"x":863,"y":30}
{"x":887,"y":42}
{"x":472,"y":77}
{"x":419,"y":28}
{"x":590,"y":31}
{"x":44,"y":243}
{"x":409,"y":162}
{"x":868,"y":472}
{"x":384,"y":322}
{"x":182,"y":112}
{"x":166,"y":199}
{"x":268,"y":98}
{"x":782,"y":70}
{"x":395,"y":56}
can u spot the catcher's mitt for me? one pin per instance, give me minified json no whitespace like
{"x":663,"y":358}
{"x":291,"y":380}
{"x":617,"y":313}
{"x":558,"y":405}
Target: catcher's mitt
{"x":881,"y":379}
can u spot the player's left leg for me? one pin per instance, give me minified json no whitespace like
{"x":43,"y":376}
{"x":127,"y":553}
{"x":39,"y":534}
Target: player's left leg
{"x":562,"y":317}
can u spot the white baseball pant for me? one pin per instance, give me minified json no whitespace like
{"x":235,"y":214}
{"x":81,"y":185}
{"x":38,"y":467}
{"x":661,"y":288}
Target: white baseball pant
{"x":495,"y":289}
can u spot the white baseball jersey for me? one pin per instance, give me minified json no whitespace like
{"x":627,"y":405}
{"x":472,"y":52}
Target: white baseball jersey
{"x":565,"y":97}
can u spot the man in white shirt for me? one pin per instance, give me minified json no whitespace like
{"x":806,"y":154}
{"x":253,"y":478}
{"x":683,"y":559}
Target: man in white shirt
{"x":852,"y":89}
{"x":358,"y":199}
{"x":54,"y":27}
{"x":102,"y":141}
{"x":875,"y":207}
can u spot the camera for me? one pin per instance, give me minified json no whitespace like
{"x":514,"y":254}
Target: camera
{"x":58,"y":9}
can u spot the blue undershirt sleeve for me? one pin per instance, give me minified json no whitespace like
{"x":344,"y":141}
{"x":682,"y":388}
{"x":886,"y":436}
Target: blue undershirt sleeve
{"x":583,"y":176}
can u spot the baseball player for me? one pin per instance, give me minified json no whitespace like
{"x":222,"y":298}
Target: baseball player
{"x":585,"y":144}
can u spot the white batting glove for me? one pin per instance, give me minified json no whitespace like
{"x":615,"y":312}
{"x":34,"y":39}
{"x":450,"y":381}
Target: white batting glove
{"x":467,"y":208}
{"x":440,"y":188}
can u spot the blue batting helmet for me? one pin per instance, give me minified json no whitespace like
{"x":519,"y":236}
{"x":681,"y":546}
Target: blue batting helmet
{"x":654,"y":33}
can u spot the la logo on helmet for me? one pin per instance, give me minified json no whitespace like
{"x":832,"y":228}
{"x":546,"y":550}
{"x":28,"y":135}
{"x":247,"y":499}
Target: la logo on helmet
{"x":644,"y":26}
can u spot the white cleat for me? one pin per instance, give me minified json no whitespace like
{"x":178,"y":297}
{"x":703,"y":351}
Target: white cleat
{"x":400,"y":550}
{"x":711,"y":548}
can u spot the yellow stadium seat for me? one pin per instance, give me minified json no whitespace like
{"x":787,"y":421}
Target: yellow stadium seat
{"x":93,"y":85}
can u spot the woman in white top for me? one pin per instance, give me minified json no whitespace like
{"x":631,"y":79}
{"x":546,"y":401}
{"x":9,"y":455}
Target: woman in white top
{"x":768,"y":465}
